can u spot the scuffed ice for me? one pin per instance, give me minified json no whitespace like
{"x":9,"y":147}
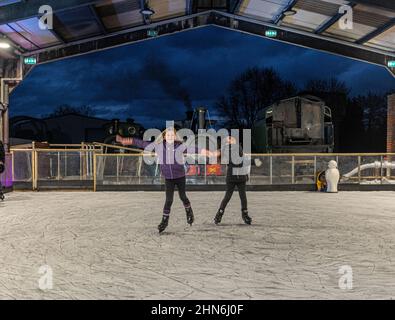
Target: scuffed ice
{"x":106,"y":246}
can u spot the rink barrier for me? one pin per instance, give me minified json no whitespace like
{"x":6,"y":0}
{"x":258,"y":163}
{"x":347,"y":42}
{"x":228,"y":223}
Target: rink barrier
{"x":285,"y":170}
{"x":28,"y":165}
{"x":55,"y":167}
{"x":87,"y":167}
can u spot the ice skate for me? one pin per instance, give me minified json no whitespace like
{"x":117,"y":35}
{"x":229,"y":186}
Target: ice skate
{"x":190,"y":217}
{"x":246,"y":218}
{"x":218,"y":216}
{"x":163,"y":225}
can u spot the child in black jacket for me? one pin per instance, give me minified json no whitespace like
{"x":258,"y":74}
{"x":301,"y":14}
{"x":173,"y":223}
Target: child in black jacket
{"x":236,"y":176}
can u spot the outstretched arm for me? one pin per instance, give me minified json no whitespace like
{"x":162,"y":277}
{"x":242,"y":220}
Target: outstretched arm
{"x":124,"y":141}
{"x":214,"y":154}
{"x":132,"y":142}
{"x":208,"y":153}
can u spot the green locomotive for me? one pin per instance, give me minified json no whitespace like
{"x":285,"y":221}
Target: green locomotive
{"x":301,"y":124}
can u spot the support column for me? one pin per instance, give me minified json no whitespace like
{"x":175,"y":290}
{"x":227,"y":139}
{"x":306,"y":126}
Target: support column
{"x":391,"y":124}
{"x":11,"y":75}
{"x":390,"y":131}
{"x":6,"y":132}
{"x":4,"y":96}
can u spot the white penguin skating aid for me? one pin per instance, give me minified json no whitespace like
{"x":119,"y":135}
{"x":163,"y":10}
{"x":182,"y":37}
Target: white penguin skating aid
{"x":332,"y":177}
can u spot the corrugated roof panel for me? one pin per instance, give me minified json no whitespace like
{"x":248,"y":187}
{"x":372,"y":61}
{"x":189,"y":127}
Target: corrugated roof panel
{"x":262,"y":9}
{"x":326,"y":8}
{"x":372,"y":13}
{"x":338,"y":2}
{"x":114,"y":7}
{"x":17,"y":38}
{"x":123,"y":20}
{"x":120,"y":14}
{"x":358,"y":31}
{"x":305,"y":20}
{"x":76,"y":24}
{"x":30,"y":30}
{"x":385,"y":41}
{"x":167,"y":8}
{"x":370,"y":17}
{"x":366,"y":19}
{"x":311,"y":14}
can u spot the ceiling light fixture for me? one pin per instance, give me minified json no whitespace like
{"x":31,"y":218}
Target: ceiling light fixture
{"x":4,"y":45}
{"x":289,"y":12}
{"x":147,"y":11}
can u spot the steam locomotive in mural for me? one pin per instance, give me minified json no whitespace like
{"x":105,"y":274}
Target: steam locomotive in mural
{"x":295,"y":125}
{"x":128,"y":129}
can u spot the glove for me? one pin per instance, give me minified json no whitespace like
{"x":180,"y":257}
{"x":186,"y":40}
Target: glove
{"x":2,"y":167}
{"x":119,"y":138}
{"x":257,"y":162}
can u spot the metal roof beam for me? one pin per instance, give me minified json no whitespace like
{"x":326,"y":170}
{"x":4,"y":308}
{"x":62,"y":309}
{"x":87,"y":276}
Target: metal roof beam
{"x":188,"y":7}
{"x":24,"y":10}
{"x":376,"y":32}
{"x":57,"y":35}
{"x":98,"y":20}
{"x":54,"y":32}
{"x":22,"y":36}
{"x":309,"y":40}
{"x":236,"y":6}
{"x":281,"y":16}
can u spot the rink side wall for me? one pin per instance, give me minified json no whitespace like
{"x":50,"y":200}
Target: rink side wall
{"x":252,"y":188}
{"x":86,"y":167}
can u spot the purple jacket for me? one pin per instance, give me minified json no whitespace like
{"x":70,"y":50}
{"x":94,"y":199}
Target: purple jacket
{"x":170,"y":156}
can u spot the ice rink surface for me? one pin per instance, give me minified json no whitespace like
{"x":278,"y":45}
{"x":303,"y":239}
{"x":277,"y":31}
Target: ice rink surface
{"x":106,"y":246}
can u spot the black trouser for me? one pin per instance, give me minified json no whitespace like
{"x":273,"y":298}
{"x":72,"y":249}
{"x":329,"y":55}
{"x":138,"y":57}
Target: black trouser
{"x":230,"y":187}
{"x":170,"y":185}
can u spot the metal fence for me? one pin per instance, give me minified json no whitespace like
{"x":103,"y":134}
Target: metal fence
{"x":59,"y":167}
{"x":91,"y":168}
{"x":266,"y":169}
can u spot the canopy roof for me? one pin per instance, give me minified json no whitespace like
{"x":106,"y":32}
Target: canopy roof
{"x":82,"y":26}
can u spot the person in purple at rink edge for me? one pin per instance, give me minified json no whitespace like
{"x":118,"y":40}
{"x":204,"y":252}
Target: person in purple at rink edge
{"x":2,"y":167}
{"x":170,"y":151}
{"x":2,"y":158}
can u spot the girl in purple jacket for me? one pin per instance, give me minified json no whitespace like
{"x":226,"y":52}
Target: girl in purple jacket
{"x":170,"y":152}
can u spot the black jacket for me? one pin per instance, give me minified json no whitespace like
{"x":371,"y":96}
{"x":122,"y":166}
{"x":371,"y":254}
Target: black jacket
{"x":234,"y":157}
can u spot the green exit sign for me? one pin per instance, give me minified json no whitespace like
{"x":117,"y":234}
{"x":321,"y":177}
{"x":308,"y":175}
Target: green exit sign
{"x":30,"y":60}
{"x":271,"y":33}
{"x":152,"y":33}
{"x":391,"y":64}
